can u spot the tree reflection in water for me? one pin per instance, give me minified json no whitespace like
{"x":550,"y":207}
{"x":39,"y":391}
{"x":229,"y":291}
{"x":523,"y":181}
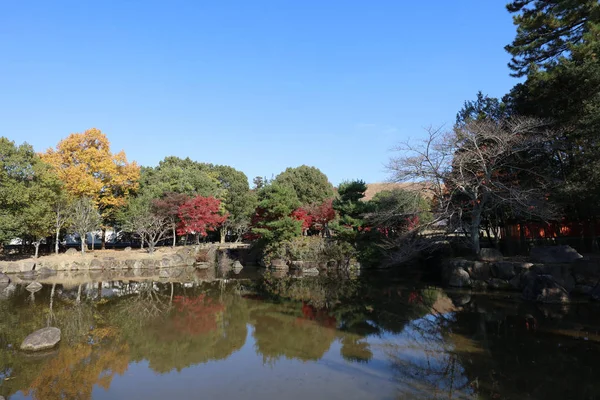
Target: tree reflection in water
{"x":426,"y":363}
{"x":481,"y":347}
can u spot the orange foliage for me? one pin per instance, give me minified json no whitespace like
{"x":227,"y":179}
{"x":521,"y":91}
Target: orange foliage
{"x":74,"y":371}
{"x":196,"y":316}
{"x":84,"y":163}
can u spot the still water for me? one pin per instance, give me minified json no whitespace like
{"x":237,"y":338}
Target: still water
{"x":271,"y":337}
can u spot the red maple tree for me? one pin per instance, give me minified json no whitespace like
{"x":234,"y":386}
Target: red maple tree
{"x":200,"y":215}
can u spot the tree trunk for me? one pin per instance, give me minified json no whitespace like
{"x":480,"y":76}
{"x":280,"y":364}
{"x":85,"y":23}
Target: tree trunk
{"x":197,"y":238}
{"x":142,"y":245}
{"x":223,"y":233}
{"x":475,"y":222}
{"x":174,"y":236}
{"x":57,"y":239}
{"x":82,"y":244}
{"x":103,"y":246}
{"x":36,"y":244}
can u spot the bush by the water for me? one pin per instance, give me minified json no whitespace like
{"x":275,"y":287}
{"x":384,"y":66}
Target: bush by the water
{"x":309,"y":248}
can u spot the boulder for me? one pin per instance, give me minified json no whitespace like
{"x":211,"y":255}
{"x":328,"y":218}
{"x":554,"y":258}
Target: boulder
{"x":489,"y":254}
{"x":166,"y":262}
{"x":479,"y":285}
{"x":278,"y":264}
{"x":459,"y":278}
{"x":4,"y":279}
{"x":42,"y":339}
{"x":34,"y":287}
{"x":544,"y":289}
{"x":127,"y":249}
{"x":516,"y":283}
{"x":177,"y":259}
{"x":71,"y":251}
{"x":27,"y":266}
{"x":96,"y":265}
{"x":479,"y":271}
{"x":554,"y":254}
{"x":499,"y":284}
{"x":503,"y":270}
{"x":164,"y":273}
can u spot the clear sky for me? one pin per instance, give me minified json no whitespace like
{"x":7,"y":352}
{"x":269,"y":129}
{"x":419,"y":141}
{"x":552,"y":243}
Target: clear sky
{"x":259,"y":85}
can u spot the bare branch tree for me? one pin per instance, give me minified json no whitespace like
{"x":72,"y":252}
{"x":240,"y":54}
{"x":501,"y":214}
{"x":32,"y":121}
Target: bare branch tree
{"x":479,"y":165}
{"x":84,"y":218}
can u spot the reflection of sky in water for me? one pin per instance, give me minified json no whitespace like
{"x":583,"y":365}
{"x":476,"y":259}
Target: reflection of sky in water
{"x":243,"y":375}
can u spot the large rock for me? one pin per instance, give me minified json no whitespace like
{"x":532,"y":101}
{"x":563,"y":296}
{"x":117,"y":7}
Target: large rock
{"x":489,"y":254}
{"x":504,"y":270}
{"x":479,"y":271}
{"x":42,"y":339}
{"x":27,"y":266}
{"x":71,"y":251}
{"x":459,"y":278}
{"x":4,"y":278}
{"x":544,"y":289}
{"x":499,"y":284}
{"x":554,"y":254}
{"x":279,"y":264}
{"x":96,"y":265}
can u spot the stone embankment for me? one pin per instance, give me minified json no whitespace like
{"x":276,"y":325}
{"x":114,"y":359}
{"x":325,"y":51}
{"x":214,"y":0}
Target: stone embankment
{"x":199,"y":256}
{"x":553,"y":274}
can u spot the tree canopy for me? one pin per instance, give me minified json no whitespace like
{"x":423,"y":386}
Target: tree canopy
{"x":309,"y":183}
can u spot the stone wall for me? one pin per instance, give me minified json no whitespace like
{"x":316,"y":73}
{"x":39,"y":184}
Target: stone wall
{"x":556,"y":274}
{"x":166,"y":258}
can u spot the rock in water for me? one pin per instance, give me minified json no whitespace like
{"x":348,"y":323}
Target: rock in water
{"x":4,"y":278}
{"x":42,"y":339}
{"x":34,"y":287}
{"x":554,"y":254}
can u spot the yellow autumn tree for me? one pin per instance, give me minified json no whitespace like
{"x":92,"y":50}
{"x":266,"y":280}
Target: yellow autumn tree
{"x":86,"y":166}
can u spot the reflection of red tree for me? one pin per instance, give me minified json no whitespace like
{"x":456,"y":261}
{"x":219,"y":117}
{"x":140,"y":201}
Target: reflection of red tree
{"x":320,"y":316}
{"x":195,"y":316}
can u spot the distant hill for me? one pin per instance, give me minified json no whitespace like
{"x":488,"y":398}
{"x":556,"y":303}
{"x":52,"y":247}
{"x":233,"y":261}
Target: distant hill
{"x":374,"y":188}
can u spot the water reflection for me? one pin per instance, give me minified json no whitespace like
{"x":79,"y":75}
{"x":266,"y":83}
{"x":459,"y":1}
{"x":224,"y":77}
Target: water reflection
{"x":356,"y":338}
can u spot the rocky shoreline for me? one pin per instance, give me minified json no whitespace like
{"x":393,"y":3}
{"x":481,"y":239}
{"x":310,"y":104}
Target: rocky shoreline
{"x":556,"y":274}
{"x":124,"y":260}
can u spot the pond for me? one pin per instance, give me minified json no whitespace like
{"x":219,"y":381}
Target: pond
{"x":268,"y":337}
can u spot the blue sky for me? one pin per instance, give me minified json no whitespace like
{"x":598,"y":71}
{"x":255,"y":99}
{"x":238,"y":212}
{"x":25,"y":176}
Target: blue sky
{"x":258,"y":85}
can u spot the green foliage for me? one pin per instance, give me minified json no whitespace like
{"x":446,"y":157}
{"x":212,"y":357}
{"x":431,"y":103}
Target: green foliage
{"x":310,"y":248}
{"x":548,"y":30}
{"x":186,"y":176}
{"x":483,"y":107}
{"x":276,"y":203}
{"x":557,"y":48}
{"x":309,"y":183}
{"x":351,"y":208}
{"x":28,"y":191}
